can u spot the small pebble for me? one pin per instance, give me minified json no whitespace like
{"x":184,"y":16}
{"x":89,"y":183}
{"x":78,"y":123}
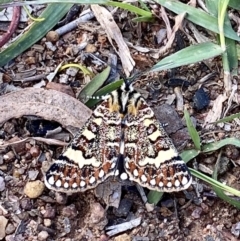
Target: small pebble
{"x":18,"y":147}
{"x":123,"y":237}
{"x":70,"y":211}
{"x":43,"y":235}
{"x":2,"y":184}
{"x":1,"y":159}
{"x":52,"y":36}
{"x":9,"y":128}
{"x":26,"y":204}
{"x":30,"y":60}
{"x":47,"y":222}
{"x":10,"y":229}
{"x":9,"y":156}
{"x":50,"y":212}
{"x":34,"y":189}
{"x":90,"y":48}
{"x":35,"y":151}
{"x":97,"y":213}
{"x":205,"y":208}
{"x":3,"y":224}
{"x":124,"y":208}
{"x":32,"y":174}
{"x":196,"y":213}
{"x":61,"y":198}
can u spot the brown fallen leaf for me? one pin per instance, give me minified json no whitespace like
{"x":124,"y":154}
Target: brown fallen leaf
{"x":60,"y":87}
{"x":50,"y":105}
{"x":113,"y":32}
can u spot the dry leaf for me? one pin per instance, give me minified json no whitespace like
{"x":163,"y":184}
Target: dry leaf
{"x":107,"y":22}
{"x":215,"y":113}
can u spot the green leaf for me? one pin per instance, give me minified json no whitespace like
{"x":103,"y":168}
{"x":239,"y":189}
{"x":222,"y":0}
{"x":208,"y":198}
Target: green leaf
{"x":94,"y":84}
{"x":232,"y":56}
{"x":192,"y":131}
{"x":219,"y":191}
{"x":104,"y":91}
{"x":52,"y":14}
{"x":234,"y":4}
{"x":131,"y":8}
{"x":219,"y":144}
{"x":21,"y":3}
{"x":198,"y":17}
{"x":189,"y":55}
{"x":227,"y":119}
{"x":188,"y":155}
{"x":214,"y":182}
{"x":154,"y":197}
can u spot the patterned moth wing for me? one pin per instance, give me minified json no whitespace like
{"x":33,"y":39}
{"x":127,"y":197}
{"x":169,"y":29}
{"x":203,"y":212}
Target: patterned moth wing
{"x":150,"y":156}
{"x":92,"y":156}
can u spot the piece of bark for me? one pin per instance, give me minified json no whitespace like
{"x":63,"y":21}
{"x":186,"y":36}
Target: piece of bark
{"x":48,"y":104}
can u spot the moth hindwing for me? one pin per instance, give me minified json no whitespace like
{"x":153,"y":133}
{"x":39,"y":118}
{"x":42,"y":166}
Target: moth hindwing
{"x":123,"y":124}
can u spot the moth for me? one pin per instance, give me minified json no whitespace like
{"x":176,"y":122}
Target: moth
{"x":123,"y":125}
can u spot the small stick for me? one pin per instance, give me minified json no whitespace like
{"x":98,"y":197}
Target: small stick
{"x":12,"y":27}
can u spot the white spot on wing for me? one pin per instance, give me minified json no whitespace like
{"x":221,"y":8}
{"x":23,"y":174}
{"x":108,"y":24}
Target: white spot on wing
{"x":58,"y":183}
{"x":101,"y":173}
{"x":160,"y":184}
{"x":153,"y":182}
{"x":184,"y":181}
{"x":143,"y":178}
{"x":66,"y":185}
{"x":177,"y":183}
{"x":135,"y":172}
{"x":124,"y":176}
{"x":74,"y":185}
{"x":51,"y":180}
{"x":92,"y":180}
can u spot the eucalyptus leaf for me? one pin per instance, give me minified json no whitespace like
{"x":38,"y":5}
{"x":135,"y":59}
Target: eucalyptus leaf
{"x":198,"y":17}
{"x":219,"y":144}
{"x":219,"y":191}
{"x":52,"y":14}
{"x":154,"y":197}
{"x":188,"y":155}
{"x":227,"y":119}
{"x":189,"y":55}
{"x":94,"y":84}
{"x":104,"y":91}
{"x":214,"y":182}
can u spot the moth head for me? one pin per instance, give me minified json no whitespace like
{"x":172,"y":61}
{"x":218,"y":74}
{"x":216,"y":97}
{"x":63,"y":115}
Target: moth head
{"x":127,"y":86}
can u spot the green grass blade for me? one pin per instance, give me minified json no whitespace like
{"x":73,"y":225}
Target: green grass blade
{"x":214,"y":182}
{"x":219,"y":144}
{"x":192,"y":131}
{"x":232,"y":56}
{"x":188,"y":155}
{"x":219,"y":191}
{"x":227,"y":119}
{"x":198,"y":17}
{"x":52,"y":14}
{"x":154,"y":197}
{"x":189,"y":55}
{"x":94,"y":84}
{"x":131,"y":8}
{"x":104,"y":91}
{"x":234,"y":4}
{"x":21,"y":3}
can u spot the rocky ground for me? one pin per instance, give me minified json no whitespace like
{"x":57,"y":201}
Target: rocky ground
{"x":30,"y":211}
